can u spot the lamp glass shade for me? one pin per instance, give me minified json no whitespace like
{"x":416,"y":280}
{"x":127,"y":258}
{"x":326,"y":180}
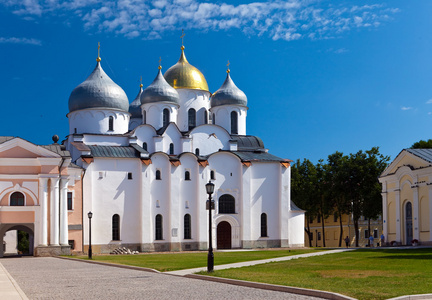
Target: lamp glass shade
{"x":90,"y":214}
{"x":210,"y":188}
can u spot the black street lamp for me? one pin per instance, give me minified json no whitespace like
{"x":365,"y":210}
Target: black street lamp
{"x":210,"y":205}
{"x":90,"y":215}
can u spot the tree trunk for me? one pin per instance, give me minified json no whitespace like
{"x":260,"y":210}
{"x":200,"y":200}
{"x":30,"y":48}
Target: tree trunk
{"x":323,"y":232}
{"x":341,"y":230}
{"x":309,"y":233}
{"x":370,"y":233}
{"x":356,"y":229}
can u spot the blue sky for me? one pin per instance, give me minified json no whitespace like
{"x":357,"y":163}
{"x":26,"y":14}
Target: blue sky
{"x":320,"y":76}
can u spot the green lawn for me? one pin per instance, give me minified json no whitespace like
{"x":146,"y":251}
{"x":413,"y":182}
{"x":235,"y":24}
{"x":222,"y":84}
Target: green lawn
{"x":178,"y":261}
{"x":362,"y":274}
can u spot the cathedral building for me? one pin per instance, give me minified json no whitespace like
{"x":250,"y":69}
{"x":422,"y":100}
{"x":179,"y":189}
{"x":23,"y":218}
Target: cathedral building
{"x":141,"y":169}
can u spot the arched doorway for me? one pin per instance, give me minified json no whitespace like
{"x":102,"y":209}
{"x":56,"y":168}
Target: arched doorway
{"x":24,"y":239}
{"x":223,"y":235}
{"x":408,"y":223}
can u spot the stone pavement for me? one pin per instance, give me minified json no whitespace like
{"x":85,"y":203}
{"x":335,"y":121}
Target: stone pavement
{"x":9,"y":289}
{"x":54,"y":278}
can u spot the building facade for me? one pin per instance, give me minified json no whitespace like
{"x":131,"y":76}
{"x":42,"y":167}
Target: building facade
{"x":144,"y":167}
{"x":407,"y":198}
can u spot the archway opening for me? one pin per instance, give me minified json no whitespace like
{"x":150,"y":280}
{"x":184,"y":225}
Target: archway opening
{"x":223,"y":235}
{"x":408,"y":223}
{"x":16,"y":240}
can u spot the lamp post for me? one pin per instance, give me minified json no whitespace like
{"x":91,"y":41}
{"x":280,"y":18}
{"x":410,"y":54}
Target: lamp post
{"x":90,"y":215}
{"x":210,"y":258}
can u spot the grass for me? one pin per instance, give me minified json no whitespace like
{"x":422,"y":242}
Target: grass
{"x":362,"y":274}
{"x":178,"y":261}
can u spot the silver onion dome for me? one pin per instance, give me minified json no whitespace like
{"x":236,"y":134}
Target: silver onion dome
{"x":228,"y":94}
{"x":135,"y":106}
{"x":159,"y":91}
{"x":98,"y":91}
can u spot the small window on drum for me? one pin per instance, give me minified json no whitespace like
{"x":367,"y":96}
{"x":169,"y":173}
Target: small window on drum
{"x":197,"y":152}
{"x":187,"y":175}
{"x":158,"y":175}
{"x":111,"y":123}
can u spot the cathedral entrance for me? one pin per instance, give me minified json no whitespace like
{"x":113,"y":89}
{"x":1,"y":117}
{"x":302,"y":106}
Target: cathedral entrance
{"x":408,"y":223}
{"x":223,"y":235}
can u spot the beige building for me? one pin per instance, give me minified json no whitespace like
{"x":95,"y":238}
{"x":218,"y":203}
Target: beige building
{"x":332,"y":231}
{"x":407,"y":197}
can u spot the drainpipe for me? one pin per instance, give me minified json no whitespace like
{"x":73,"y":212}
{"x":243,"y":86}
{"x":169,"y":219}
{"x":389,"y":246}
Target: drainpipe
{"x":82,"y":210}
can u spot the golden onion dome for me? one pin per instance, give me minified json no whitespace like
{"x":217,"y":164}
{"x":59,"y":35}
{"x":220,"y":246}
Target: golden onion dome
{"x":185,"y":76}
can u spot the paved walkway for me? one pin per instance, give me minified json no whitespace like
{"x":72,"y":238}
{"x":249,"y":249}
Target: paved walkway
{"x":54,"y":278}
{"x":256,"y":262}
{"x":9,"y":289}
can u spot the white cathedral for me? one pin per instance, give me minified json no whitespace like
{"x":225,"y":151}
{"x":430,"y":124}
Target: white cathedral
{"x":141,"y":169}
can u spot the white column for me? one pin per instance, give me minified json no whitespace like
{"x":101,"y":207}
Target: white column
{"x":415,"y":214}
{"x":398,"y":216}
{"x":63,"y":212}
{"x":54,"y":232}
{"x":385,"y":216}
{"x":43,"y":202}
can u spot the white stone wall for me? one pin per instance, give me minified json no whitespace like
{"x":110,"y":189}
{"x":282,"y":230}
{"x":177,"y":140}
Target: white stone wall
{"x":196,"y":99}
{"x":96,"y":121}
{"x":154,"y":113}
{"x":222,"y":116}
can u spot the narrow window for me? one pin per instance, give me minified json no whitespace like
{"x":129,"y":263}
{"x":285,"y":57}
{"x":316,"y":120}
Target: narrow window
{"x":159,"y":235}
{"x":17,"y":199}
{"x":319,"y":219}
{"x":263,"y":225}
{"x":145,"y":146}
{"x":366,"y":234}
{"x":212,"y":175}
{"x":226,"y":204}
{"x":191,"y":118}
{"x":166,"y":117}
{"x":375,"y":233}
{"x":71,"y":244}
{"x":158,"y":175}
{"x":129,"y":175}
{"x":69,"y":200}
{"x":197,"y":153}
{"x":311,"y":236}
{"x":214,"y":119}
{"x":111,"y":123}
{"x":144,"y":117}
{"x":335,"y":217}
{"x":171,"y":149}
{"x":187,"y":175}
{"x":311,"y":219}
{"x":116,"y":227}
{"x":319,"y":236}
{"x":205,"y":117}
{"x":234,"y":122}
{"x":187,"y":227}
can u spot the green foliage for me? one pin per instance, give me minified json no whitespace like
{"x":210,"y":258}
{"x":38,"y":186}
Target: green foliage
{"x":23,"y":242}
{"x":362,"y":274}
{"x":422,"y":144}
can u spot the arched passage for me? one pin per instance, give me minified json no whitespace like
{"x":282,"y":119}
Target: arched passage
{"x":408,"y":223}
{"x":27,"y":228}
{"x":223,"y":235}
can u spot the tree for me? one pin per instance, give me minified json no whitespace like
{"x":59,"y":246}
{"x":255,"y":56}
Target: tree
{"x":335,"y":178}
{"x":422,"y":144}
{"x":302,"y":190}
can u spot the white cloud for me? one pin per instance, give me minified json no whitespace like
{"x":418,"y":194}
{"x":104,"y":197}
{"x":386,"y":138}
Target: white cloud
{"x":429,"y":101}
{"x":279,"y":20}
{"x":15,"y":40}
{"x":406,"y":108}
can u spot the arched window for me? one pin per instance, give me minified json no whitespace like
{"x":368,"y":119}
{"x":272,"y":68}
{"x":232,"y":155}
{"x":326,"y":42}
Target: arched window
{"x":187,"y":175}
{"x":116,"y":228}
{"x":17,"y":199}
{"x":159,"y":229}
{"x":214,"y":119}
{"x":191,"y":118}
{"x":158,"y":175}
{"x":234,"y":122}
{"x":263,"y":225}
{"x":165,"y":117}
{"x":111,"y":123}
{"x":144,"y":117}
{"x":205,"y":116}
{"x":145,"y":146}
{"x":171,"y":149}
{"x":212,"y":175}
{"x":187,"y":227}
{"x":226,"y":204}
{"x":197,"y":153}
